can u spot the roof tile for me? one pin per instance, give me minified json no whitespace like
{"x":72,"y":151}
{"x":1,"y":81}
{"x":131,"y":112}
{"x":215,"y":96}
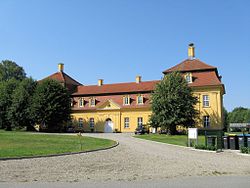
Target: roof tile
{"x":190,"y":65}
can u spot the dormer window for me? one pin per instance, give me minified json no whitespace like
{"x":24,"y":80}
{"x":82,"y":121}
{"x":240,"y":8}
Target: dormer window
{"x":81,"y":102}
{"x":92,"y":102}
{"x":188,"y":78}
{"x":139,"y":99}
{"x":126,"y":100}
{"x":71,"y":102}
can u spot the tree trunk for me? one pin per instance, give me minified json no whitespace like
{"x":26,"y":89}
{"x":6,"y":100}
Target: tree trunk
{"x":173,"y":130}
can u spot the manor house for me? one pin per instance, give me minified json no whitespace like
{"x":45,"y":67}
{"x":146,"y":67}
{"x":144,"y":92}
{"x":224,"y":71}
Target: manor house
{"x":124,"y":106}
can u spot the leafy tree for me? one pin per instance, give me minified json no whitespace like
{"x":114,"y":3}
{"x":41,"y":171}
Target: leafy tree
{"x":51,"y":105}
{"x":247,"y":116}
{"x":10,"y":70}
{"x":19,"y":112}
{"x":6,"y":90}
{"x":173,"y":103}
{"x":225,"y":116}
{"x":239,"y":115}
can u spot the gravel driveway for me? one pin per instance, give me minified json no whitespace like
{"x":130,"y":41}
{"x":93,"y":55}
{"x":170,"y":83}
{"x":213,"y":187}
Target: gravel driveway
{"x":134,"y":159}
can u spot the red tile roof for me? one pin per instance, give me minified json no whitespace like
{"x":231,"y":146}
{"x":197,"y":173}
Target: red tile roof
{"x":207,"y":78}
{"x":63,"y":78}
{"x":118,"y":99}
{"x":130,"y":87}
{"x":190,"y":65}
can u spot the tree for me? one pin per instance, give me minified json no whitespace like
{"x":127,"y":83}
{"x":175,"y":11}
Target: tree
{"x":10,"y":70}
{"x":6,"y":90}
{"x":225,"y":117}
{"x":239,"y":115}
{"x":173,"y":103}
{"x":19,"y":112}
{"x":51,"y":105}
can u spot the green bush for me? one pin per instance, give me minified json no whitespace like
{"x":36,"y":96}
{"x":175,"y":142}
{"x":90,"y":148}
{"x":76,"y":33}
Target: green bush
{"x":212,"y":148}
{"x":245,"y":150}
{"x":200,"y":146}
{"x":203,"y":147}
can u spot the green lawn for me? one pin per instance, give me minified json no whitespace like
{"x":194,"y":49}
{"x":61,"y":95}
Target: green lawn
{"x":180,"y":140}
{"x":20,"y":144}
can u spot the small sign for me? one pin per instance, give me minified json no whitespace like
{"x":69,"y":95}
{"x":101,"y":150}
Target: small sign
{"x":192,"y":133}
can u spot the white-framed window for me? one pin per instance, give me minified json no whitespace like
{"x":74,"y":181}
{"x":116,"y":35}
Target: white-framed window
{"x":139,"y":99}
{"x":206,"y":121}
{"x":81,"y":102}
{"x":80,"y":122}
{"x":188,"y":78}
{"x":139,"y":121}
{"x":126,"y":122}
{"x":71,"y":102}
{"x":91,"y":122}
{"x":92,"y":102}
{"x":126,"y":100}
{"x":205,"y":101}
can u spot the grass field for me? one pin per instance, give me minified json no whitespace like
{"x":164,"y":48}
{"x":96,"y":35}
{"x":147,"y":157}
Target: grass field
{"x":22,"y":144}
{"x":180,"y":140}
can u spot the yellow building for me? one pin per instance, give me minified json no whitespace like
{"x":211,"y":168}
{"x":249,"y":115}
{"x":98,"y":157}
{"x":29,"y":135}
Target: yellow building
{"x":124,"y":106}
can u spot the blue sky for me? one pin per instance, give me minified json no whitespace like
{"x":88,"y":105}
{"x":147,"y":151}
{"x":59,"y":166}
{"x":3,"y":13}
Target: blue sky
{"x":119,"y":39}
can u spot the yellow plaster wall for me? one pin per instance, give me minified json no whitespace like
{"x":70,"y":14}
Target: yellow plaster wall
{"x":133,"y":114}
{"x":100,"y":118}
{"x":214,"y":110}
{"x":117,"y":115}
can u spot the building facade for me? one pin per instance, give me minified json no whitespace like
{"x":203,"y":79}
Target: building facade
{"x":124,"y":106}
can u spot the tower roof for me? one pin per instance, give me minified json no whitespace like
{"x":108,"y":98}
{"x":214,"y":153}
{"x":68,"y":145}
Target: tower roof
{"x":190,"y":65}
{"x":62,"y":77}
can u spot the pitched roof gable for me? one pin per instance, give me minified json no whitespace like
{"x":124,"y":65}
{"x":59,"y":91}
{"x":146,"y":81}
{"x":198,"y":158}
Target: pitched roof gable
{"x":63,"y":78}
{"x":190,"y":65}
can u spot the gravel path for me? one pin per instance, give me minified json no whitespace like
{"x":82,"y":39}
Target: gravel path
{"x":134,"y":159}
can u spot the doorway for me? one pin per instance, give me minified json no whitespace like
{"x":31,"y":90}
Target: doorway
{"x":108,"y":127}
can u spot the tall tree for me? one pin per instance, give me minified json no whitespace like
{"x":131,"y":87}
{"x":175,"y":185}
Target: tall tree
{"x":10,"y":70}
{"x":225,"y":117}
{"x":51,"y":105}
{"x":19,"y":111}
{"x":173,"y":103}
{"x":239,"y":115}
{"x":6,"y":90}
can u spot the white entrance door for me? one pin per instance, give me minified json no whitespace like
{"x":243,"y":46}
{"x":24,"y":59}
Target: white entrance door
{"x":108,"y":126}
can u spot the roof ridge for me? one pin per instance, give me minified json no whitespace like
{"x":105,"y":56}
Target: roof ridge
{"x":121,"y":83}
{"x":65,"y":74}
{"x":62,"y":75}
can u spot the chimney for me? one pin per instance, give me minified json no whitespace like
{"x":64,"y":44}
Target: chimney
{"x":191,"y":51}
{"x":60,"y":67}
{"x":138,"y":79}
{"x":100,"y":82}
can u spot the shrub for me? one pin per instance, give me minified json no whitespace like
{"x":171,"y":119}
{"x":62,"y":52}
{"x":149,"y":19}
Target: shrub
{"x":212,"y":148}
{"x":200,"y":146}
{"x":245,"y":150}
